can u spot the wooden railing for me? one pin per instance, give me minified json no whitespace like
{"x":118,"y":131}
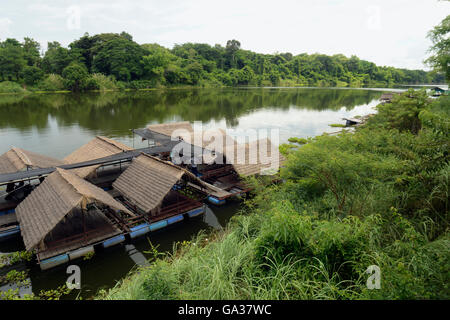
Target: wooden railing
{"x":85,"y":236}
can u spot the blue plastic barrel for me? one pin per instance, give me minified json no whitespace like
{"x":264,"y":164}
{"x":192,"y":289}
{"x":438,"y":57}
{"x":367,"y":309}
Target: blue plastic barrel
{"x":158,"y":225}
{"x":175,"y":219}
{"x":139,"y":230}
{"x":113,"y":241}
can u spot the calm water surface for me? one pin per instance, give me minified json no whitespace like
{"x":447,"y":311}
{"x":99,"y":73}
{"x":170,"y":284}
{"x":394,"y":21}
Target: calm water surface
{"x":58,"y":124}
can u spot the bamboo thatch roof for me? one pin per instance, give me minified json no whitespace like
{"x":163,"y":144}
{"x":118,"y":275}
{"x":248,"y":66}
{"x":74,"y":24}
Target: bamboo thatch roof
{"x":18,"y":159}
{"x":59,"y":194}
{"x":184,"y":130}
{"x":148,"y":180}
{"x":216,"y":139}
{"x":98,"y":147}
{"x":247,"y":159}
{"x":169,"y":128}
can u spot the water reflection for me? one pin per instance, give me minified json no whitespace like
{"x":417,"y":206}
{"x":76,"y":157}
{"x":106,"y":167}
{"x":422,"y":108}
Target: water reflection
{"x":56,"y":124}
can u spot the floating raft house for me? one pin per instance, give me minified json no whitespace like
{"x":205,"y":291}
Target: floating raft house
{"x":242,"y":160}
{"x":18,"y":159}
{"x":66,"y":214}
{"x":155,"y":189}
{"x":99,"y":147}
{"x":222,"y":169}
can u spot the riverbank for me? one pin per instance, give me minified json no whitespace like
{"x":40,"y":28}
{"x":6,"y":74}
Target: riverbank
{"x":18,"y":90}
{"x":378,"y":196}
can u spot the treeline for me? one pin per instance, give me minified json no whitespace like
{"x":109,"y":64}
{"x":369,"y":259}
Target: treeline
{"x":114,"y":61}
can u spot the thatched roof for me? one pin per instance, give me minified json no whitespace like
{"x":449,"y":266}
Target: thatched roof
{"x":207,"y":139}
{"x":185,"y":131}
{"x":18,"y":159}
{"x":246,"y":158}
{"x":98,"y":147}
{"x":59,"y":194}
{"x":148,"y":180}
{"x":169,"y":128}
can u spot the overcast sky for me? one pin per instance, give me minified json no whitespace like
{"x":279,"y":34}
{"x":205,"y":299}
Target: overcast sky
{"x":387,"y":32}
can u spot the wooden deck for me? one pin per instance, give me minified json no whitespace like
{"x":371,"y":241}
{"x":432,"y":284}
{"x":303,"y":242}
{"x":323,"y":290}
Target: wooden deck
{"x":104,"y":230}
{"x":7,"y":219}
{"x":182,"y":206}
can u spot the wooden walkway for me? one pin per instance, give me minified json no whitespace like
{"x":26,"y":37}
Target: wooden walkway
{"x":110,"y":160}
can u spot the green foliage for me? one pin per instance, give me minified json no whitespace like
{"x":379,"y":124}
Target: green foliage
{"x":192,"y":64}
{"x":337,"y":125}
{"x":53,"y":82}
{"x":403,"y":113}
{"x":75,"y":76}
{"x":14,"y":276}
{"x":439,"y":36}
{"x":89,"y":255}
{"x":98,"y":81}
{"x":377,"y":196}
{"x":31,"y":75}
{"x":10,"y":87}
{"x":298,"y":140}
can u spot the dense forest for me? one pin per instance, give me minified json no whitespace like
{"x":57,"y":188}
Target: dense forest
{"x":114,"y":61}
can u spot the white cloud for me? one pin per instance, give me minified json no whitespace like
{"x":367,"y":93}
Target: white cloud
{"x":387,"y":32}
{"x":4,"y":27}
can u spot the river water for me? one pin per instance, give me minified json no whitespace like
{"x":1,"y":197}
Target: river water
{"x":58,"y":124}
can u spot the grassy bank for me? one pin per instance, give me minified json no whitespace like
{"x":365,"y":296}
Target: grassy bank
{"x":378,"y":196}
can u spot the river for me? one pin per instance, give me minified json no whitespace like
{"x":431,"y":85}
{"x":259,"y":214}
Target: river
{"x":57,"y":124}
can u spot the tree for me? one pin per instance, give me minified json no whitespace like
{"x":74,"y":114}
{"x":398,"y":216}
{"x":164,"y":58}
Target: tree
{"x":232,"y":47}
{"x":12,"y":59}
{"x":32,"y":75}
{"x":75,"y":76}
{"x":31,"y":51}
{"x":439,"y":36}
{"x":119,"y":57}
{"x":57,"y":58}
{"x":157,"y":62}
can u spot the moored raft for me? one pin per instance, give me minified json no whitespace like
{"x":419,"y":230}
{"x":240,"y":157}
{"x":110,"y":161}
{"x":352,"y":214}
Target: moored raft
{"x":66,"y":213}
{"x":160,"y":192}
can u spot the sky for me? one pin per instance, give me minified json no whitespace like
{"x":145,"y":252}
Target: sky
{"x":386,"y":32}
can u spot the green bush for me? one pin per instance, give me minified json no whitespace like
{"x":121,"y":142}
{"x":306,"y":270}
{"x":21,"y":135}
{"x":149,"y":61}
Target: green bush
{"x":10,"y":87}
{"x":75,"y":76}
{"x":53,"y":82}
{"x":98,"y":81}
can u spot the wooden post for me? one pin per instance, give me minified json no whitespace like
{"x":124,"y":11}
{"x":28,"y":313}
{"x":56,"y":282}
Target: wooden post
{"x":83,"y":222}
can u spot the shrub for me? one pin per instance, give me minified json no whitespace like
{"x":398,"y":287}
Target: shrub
{"x":53,"y":82}
{"x":98,"y":81}
{"x":75,"y":77}
{"x":10,"y":87}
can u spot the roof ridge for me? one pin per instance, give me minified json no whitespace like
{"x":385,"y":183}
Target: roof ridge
{"x":185,"y":171}
{"x":63,"y":173}
{"x":22,"y":156}
{"x":110,"y":142}
{"x":163,"y":161}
